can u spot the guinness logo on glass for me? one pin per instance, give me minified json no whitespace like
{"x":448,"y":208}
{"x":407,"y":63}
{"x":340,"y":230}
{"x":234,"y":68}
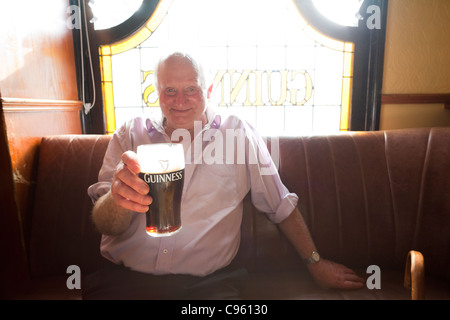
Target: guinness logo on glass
{"x":164,"y":165}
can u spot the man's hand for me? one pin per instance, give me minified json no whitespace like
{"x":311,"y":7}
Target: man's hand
{"x":113,"y":211}
{"x":128,"y":190}
{"x":332,"y":275}
{"x":326,"y":273}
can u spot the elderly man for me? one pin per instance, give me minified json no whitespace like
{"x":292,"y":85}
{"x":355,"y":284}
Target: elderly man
{"x":211,"y":206}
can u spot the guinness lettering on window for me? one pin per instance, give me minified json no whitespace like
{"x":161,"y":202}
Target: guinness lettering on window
{"x":293,"y":87}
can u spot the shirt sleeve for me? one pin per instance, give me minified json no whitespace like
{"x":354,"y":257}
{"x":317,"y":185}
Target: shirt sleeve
{"x":268,"y":192}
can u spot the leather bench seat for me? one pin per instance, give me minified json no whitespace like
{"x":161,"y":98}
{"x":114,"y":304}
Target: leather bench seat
{"x":367,"y":197}
{"x":295,"y":285}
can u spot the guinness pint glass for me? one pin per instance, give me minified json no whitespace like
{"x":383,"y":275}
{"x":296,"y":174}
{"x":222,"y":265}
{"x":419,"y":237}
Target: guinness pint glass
{"x":162,"y":167}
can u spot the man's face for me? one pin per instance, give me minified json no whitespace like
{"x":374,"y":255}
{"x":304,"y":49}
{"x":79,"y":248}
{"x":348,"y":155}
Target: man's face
{"x":181,"y":98}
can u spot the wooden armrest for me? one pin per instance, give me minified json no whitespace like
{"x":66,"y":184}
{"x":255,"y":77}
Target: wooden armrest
{"x":415,"y":275}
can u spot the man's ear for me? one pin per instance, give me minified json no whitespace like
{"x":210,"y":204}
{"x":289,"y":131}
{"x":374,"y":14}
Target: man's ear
{"x":209,"y":91}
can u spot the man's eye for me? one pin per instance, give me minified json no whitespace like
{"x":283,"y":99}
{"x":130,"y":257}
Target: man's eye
{"x":191,"y":90}
{"x":171,"y":91}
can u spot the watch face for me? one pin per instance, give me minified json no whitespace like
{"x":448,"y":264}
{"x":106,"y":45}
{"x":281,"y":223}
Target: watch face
{"x":315,"y":256}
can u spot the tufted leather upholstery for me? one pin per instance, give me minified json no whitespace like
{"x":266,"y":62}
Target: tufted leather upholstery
{"x":368,"y":198}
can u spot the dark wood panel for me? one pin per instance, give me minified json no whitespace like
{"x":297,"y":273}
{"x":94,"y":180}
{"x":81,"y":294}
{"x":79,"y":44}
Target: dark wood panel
{"x":417,"y":99}
{"x":13,"y":269}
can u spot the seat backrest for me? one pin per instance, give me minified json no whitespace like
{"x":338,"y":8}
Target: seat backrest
{"x":370,"y":197}
{"x":367,"y":197}
{"x":62,"y":231}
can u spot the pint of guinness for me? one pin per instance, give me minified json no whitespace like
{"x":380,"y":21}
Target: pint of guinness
{"x":162,"y":167}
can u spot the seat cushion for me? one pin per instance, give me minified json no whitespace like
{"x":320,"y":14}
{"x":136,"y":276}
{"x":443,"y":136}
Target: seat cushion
{"x":49,"y":288}
{"x":300,"y":286}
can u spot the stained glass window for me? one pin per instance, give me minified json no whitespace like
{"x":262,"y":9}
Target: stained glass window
{"x":267,"y":65}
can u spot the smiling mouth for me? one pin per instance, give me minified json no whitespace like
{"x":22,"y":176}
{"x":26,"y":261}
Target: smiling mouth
{"x":180,"y":111}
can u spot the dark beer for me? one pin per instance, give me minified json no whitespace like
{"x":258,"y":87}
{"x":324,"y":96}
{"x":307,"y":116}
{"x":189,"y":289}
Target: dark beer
{"x":162,"y":168}
{"x":163,"y":216}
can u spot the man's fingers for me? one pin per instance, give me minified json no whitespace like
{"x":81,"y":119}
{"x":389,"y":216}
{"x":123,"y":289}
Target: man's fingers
{"x":130,"y":179}
{"x":129,"y":193}
{"x":353,"y":281}
{"x":350,"y":280}
{"x":129,"y":158}
{"x":128,"y":190}
{"x":329,"y":274}
{"x":129,"y":199}
{"x":351,"y":285}
{"x":131,"y":205}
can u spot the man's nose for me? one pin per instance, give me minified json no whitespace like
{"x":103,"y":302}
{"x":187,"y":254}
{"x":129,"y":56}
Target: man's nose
{"x":180,"y":99}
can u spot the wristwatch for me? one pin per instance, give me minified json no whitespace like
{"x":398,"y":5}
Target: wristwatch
{"x":314,"y":258}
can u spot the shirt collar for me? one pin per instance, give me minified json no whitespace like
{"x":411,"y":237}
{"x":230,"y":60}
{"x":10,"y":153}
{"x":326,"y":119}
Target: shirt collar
{"x":214,"y":119}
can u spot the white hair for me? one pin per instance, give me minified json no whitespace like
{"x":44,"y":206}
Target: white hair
{"x":194,"y":62}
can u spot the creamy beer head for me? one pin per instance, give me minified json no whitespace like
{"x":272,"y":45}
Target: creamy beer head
{"x":160,"y":157}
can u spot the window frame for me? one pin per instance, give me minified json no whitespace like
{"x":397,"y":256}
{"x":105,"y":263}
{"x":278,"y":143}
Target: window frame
{"x":368,"y":58}
{"x":129,"y":26}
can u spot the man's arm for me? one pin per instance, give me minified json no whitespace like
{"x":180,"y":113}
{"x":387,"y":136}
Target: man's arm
{"x":113,"y":211}
{"x":326,"y":273}
{"x":109,"y":218}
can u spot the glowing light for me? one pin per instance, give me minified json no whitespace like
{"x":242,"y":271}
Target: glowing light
{"x":343,"y":12}
{"x":109,"y":13}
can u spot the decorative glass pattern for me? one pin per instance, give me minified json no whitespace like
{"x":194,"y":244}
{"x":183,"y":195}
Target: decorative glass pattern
{"x":267,"y":65}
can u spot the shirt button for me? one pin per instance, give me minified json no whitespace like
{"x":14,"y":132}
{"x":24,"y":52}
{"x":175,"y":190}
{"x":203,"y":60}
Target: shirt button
{"x":165,"y":251}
